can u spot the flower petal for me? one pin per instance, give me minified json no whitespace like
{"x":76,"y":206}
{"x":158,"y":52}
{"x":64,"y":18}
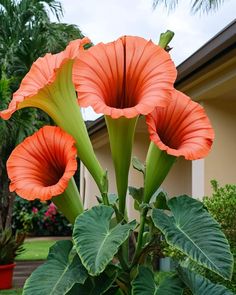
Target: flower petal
{"x":181,"y":129}
{"x":127,"y":77}
{"x":42,"y":165}
{"x":42,"y":74}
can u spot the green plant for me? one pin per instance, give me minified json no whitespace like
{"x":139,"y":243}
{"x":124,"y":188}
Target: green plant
{"x":222,"y":206}
{"x":10,"y":246}
{"x":124,"y":79}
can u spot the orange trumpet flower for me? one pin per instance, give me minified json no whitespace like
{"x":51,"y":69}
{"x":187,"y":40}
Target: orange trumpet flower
{"x":48,"y":86}
{"x":42,"y":167}
{"x":181,"y":129}
{"x":122,"y":80}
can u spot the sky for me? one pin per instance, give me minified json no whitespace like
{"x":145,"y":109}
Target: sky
{"x":106,"y":20}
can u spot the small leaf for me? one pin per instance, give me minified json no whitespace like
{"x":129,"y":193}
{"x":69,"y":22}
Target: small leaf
{"x":112,"y":198}
{"x":170,"y":285}
{"x":97,"y":243}
{"x":193,"y":231}
{"x":138,"y":165}
{"x":200,"y":285}
{"x":59,"y":274}
{"x":144,"y":284}
{"x":136,"y":193}
{"x":100,"y":285}
{"x":159,"y":199}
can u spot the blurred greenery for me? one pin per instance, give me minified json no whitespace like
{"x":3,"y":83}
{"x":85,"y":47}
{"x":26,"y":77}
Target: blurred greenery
{"x":39,"y":219}
{"x":36,"y":250}
{"x":11,"y":292}
{"x":222,"y":206}
{"x":26,"y":33}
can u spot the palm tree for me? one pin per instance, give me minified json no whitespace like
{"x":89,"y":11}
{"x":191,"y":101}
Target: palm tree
{"x":12,"y":132}
{"x":26,"y":33}
{"x":196,"y":6}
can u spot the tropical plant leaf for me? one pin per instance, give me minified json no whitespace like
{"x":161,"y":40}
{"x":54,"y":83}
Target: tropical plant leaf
{"x":193,"y":231}
{"x":144,"y":284}
{"x":58,"y":275}
{"x":136,"y":193}
{"x":170,"y":285}
{"x":95,"y":242}
{"x":138,"y":165}
{"x":99,"y":286}
{"x":200,"y":285}
{"x":112,"y":199}
{"x":159,"y":199}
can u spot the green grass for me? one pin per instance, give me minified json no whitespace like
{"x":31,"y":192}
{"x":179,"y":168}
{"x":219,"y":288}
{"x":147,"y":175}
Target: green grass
{"x":11,"y":292}
{"x":35,"y":250}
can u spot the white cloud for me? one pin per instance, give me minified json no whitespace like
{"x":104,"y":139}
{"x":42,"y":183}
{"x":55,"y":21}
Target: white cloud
{"x":106,"y":20}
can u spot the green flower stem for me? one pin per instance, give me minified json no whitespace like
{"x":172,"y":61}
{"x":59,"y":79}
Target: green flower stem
{"x":69,"y":202}
{"x":158,"y":164}
{"x":140,"y":233}
{"x":105,"y":199}
{"x":59,"y":101}
{"x":121,"y":135}
{"x":165,"y":38}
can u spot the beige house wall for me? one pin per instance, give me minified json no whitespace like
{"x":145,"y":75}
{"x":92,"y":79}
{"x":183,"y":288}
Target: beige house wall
{"x":177,"y":182}
{"x":215,"y":88}
{"x":221,"y":163}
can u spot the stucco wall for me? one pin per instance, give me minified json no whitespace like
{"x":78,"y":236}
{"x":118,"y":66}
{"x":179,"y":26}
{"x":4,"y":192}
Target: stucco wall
{"x":177,"y":182}
{"x":221,"y":162}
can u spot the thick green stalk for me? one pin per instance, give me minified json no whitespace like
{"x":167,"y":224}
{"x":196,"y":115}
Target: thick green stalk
{"x":121,"y":135}
{"x":140,"y":233}
{"x":69,"y":202}
{"x":158,"y":164}
{"x":59,"y":101}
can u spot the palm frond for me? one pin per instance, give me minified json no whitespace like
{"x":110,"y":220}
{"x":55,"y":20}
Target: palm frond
{"x":196,"y":6}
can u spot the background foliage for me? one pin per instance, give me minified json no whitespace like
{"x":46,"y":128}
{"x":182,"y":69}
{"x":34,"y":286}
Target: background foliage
{"x":39,"y":219}
{"x":222,"y":206}
{"x":26,"y":33}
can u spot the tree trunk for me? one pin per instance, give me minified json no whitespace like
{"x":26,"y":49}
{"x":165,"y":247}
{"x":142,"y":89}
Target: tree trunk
{"x":11,"y":199}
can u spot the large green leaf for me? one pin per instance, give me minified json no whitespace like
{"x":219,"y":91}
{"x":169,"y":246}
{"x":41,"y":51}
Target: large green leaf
{"x":95,"y":242}
{"x":193,"y":231}
{"x":200,"y":285}
{"x":98,"y":286}
{"x":144,"y":284}
{"x":58,"y":275}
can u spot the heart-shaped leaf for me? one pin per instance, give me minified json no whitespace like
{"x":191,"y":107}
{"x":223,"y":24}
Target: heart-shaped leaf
{"x":95,"y":242}
{"x":59,"y":274}
{"x":193,"y":231}
{"x":200,"y":285}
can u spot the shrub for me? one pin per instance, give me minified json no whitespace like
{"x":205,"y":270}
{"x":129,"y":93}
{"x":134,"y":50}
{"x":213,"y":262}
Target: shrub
{"x":37,"y":218}
{"x":222,"y":206}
